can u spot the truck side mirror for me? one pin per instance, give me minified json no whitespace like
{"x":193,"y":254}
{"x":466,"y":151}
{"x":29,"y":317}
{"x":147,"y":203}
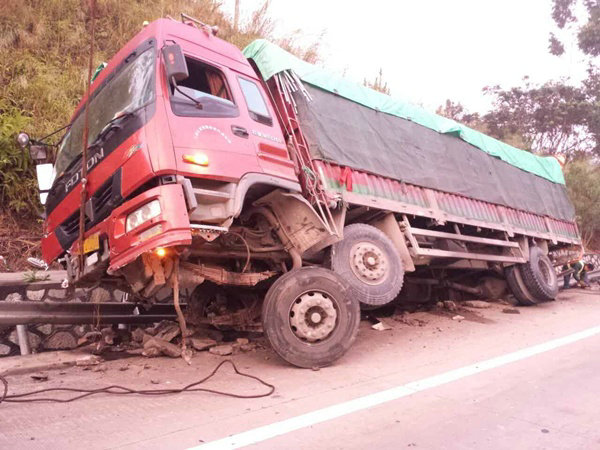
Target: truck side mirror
{"x":38,"y":152}
{"x":175,"y":63}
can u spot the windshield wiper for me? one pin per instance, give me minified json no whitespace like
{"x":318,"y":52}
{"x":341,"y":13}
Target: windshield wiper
{"x":115,"y":122}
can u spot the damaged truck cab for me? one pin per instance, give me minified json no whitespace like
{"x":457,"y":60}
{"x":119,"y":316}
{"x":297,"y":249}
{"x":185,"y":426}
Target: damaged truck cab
{"x":211,"y":170}
{"x":167,"y":161}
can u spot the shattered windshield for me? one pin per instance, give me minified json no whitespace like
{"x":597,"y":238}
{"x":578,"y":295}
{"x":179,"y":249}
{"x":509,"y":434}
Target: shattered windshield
{"x":130,"y":89}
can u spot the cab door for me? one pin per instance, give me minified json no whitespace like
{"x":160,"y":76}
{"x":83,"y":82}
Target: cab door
{"x":205,"y":120}
{"x":265,"y":133}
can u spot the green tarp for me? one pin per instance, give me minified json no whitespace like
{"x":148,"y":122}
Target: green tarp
{"x":272,"y":59}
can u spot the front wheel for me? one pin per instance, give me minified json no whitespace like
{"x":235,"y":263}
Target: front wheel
{"x":309,"y":318}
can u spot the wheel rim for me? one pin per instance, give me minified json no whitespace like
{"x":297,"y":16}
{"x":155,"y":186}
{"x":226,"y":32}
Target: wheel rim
{"x":545,"y":270}
{"x":313,"y":316}
{"x":369,"y":263}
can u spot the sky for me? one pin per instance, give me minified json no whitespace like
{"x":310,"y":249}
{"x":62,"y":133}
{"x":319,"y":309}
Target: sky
{"x":428,"y":50}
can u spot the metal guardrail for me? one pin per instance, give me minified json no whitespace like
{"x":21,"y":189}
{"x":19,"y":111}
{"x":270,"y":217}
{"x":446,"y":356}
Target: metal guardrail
{"x":27,"y":313}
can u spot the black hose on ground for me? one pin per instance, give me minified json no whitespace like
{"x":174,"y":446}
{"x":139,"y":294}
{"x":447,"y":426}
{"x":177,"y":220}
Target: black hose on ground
{"x":121,"y":390}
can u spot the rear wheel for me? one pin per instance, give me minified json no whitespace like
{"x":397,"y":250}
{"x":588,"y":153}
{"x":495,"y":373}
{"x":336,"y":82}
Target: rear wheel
{"x":518,"y":288}
{"x":367,"y":259}
{"x":309,"y":317}
{"x":539,"y":275}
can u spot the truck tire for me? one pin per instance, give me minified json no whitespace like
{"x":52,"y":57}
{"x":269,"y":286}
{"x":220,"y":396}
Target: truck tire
{"x":539,"y":275}
{"x":309,"y":318}
{"x":367,"y":259}
{"x":517,"y":286}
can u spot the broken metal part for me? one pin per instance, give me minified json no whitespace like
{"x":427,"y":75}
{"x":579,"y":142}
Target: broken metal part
{"x":282,"y":234}
{"x":214,"y":305}
{"x":219,"y":275}
{"x":207,"y":232}
{"x":300,"y":225}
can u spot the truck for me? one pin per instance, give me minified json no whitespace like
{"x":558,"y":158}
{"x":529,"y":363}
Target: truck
{"x":273,"y":195}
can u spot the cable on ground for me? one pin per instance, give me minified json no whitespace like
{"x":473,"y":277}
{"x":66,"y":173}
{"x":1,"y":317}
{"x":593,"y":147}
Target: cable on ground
{"x":121,"y":390}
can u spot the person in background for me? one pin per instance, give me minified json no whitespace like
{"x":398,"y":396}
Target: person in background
{"x":580,"y":273}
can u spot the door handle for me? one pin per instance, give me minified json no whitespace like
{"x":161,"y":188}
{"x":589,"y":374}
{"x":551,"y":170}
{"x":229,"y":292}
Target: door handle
{"x":239,"y":131}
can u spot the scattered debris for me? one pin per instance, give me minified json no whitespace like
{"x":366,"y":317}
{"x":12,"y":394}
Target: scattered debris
{"x":450,"y":305}
{"x":381,"y":326}
{"x":221,"y":350}
{"x":37,"y":263}
{"x":248,"y":347}
{"x":242,"y":341}
{"x":511,"y":311}
{"x":167,"y":330}
{"x":89,"y":337}
{"x":108,"y":335}
{"x":155,"y":346}
{"x":480,"y":304}
{"x":137,"y":335}
{"x":458,"y":317}
{"x":39,"y":377}
{"x":89,"y":360}
{"x":201,"y":344}
{"x":405,"y":318}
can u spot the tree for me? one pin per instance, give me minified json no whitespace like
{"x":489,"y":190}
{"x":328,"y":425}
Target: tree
{"x":551,"y":118}
{"x":583,"y":182}
{"x":456,"y":111}
{"x":378,"y":84}
{"x":586,"y":29}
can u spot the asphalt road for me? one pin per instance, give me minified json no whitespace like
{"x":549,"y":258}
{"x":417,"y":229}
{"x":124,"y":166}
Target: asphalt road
{"x":445,"y":384}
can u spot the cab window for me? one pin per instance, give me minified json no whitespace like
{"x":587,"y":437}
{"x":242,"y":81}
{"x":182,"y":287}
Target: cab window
{"x":207,"y":85}
{"x":256,"y":104}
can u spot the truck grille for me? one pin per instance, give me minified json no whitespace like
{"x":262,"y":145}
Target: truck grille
{"x":98,"y":207}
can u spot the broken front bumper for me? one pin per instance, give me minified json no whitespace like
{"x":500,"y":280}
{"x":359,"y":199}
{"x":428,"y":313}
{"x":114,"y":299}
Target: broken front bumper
{"x":169,"y":228}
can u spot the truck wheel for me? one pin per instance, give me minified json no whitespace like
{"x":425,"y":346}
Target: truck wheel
{"x":539,"y":275}
{"x":309,"y":317}
{"x":517,"y":286}
{"x":367,"y":259}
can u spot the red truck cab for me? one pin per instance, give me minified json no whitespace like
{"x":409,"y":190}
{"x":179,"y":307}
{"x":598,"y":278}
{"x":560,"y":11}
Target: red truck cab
{"x":164,"y":161}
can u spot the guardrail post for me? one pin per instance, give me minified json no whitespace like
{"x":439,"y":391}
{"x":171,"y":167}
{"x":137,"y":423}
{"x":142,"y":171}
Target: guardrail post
{"x":23,"y":338}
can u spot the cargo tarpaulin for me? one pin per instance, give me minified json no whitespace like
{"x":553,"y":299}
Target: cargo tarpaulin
{"x":351,"y":135}
{"x":358,"y":135}
{"x":272,"y":59}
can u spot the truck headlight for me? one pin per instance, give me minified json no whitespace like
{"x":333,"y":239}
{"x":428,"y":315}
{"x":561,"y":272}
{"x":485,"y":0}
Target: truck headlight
{"x":149,"y":211}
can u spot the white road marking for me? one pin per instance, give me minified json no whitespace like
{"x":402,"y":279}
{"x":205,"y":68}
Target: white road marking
{"x":272,"y":430}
